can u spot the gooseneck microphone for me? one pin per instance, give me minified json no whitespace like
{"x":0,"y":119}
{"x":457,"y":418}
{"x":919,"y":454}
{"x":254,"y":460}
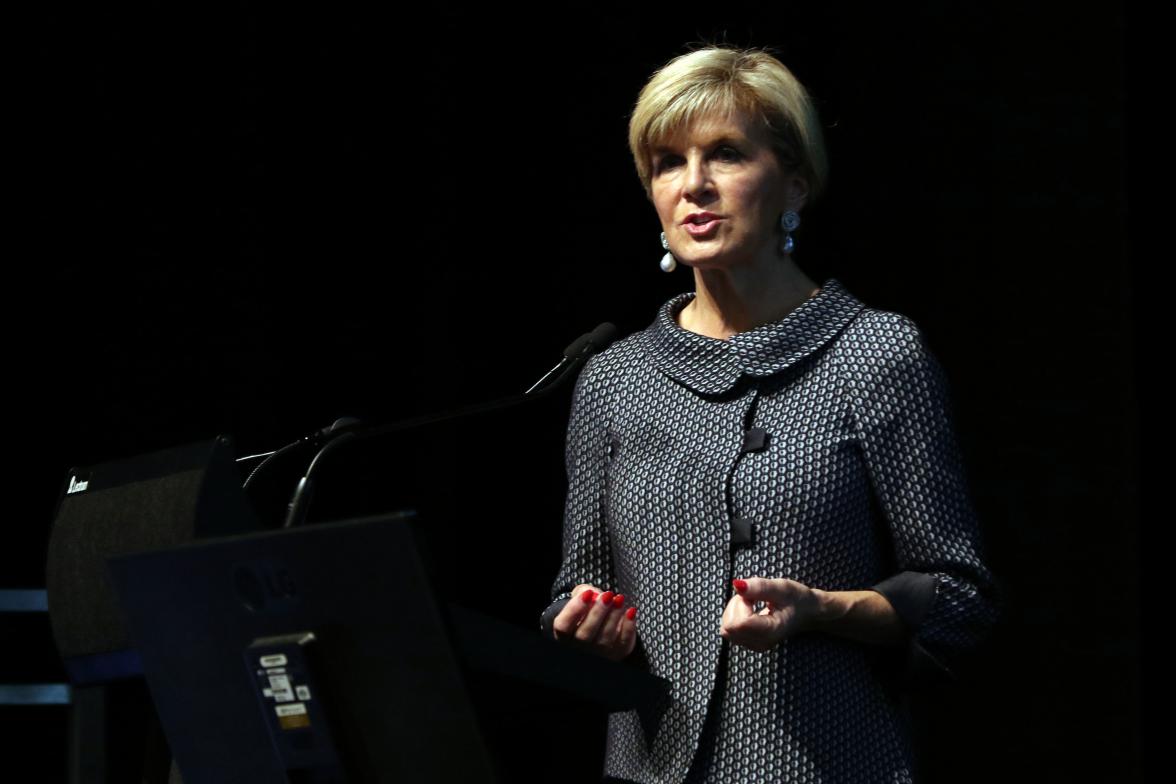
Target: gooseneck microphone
{"x":337,"y":435}
{"x":316,"y":438}
{"x":580,"y":349}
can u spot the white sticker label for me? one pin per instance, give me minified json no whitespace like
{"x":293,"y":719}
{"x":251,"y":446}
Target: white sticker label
{"x":280,"y":684}
{"x":276,"y":660}
{"x":303,"y":692}
{"x":296,"y":709}
{"x":276,"y":671}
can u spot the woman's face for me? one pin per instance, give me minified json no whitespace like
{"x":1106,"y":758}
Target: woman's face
{"x":726,"y":168}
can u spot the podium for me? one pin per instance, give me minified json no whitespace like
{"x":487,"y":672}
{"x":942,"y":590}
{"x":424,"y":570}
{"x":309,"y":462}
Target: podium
{"x":322,"y":654}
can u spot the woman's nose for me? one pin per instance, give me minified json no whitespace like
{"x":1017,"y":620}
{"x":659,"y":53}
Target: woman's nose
{"x":697,"y":178}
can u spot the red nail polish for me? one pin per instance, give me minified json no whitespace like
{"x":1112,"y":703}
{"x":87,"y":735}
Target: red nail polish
{"x":740,"y":585}
{"x":631,"y":613}
{"x":606,"y":597}
{"x":588,"y":596}
{"x":619,"y":600}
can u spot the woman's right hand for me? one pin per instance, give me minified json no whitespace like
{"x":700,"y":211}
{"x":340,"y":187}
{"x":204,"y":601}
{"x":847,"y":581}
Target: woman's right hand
{"x":597,"y":622}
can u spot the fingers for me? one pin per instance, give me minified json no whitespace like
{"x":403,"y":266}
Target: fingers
{"x":627,"y":631}
{"x":776,"y":591}
{"x":579,"y":589}
{"x":599,"y":625}
{"x":597,"y":621}
{"x":572,"y":615}
{"x":618,"y":636}
{"x":765,"y":611}
{"x":736,"y":612}
{"x":755,"y":589}
{"x":609,"y":628}
{"x":742,"y":627}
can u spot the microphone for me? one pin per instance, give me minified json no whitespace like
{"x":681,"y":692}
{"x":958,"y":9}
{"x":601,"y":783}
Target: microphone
{"x":580,"y":349}
{"x":576,"y":354}
{"x":591,"y":342}
{"x":338,"y":427}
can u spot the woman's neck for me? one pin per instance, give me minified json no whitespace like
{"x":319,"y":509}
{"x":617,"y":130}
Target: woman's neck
{"x":730,"y":301}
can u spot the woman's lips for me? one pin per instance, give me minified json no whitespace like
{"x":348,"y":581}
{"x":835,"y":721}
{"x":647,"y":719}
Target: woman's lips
{"x":702,"y":229}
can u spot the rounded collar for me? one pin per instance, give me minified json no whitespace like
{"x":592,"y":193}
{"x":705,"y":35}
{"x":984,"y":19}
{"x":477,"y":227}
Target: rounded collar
{"x":713,"y":366}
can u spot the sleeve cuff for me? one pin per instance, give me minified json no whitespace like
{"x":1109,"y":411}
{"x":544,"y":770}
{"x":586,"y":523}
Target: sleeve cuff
{"x":912,"y":595}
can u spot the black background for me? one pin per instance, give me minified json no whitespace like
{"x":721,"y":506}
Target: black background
{"x":254,"y":221}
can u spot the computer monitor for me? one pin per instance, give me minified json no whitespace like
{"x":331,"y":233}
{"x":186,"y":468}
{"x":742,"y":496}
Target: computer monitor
{"x":315,"y":654}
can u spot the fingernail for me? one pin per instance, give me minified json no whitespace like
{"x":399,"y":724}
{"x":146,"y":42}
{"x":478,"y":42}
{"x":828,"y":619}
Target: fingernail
{"x":631,"y":613}
{"x":740,"y":585}
{"x":606,"y":597}
{"x":588,"y":596}
{"x":619,"y":600}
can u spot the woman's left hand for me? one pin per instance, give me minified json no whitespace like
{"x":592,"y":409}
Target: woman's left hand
{"x":789,"y":608}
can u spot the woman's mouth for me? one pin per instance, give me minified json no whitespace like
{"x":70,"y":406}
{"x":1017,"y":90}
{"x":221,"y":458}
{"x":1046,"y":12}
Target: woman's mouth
{"x":702,"y":229}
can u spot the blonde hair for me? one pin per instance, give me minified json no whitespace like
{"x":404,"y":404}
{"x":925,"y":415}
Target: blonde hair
{"x":719,"y":81}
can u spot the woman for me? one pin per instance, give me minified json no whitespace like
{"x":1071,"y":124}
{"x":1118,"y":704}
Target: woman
{"x":768,"y":471}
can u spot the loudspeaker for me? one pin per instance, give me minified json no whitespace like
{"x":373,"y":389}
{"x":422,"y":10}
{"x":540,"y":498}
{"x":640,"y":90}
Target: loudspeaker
{"x":143,"y":503}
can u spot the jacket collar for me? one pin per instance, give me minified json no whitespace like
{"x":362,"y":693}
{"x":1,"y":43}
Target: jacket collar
{"x":711,"y":366}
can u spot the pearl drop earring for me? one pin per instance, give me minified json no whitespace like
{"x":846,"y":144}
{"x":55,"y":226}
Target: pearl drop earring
{"x":789,"y":222}
{"x":668,"y":262}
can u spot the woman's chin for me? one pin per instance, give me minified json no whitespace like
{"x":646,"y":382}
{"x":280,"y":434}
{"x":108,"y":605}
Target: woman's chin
{"x":701,"y":256}
{"x":711,"y":262}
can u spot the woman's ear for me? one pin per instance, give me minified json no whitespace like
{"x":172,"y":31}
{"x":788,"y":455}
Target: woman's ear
{"x":796,"y":191}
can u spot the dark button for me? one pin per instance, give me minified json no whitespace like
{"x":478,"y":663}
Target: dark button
{"x":742,"y":531}
{"x":754,"y":439}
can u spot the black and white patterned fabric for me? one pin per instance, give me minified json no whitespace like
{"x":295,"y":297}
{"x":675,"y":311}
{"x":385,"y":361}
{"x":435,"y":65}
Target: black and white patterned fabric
{"x":820,"y":448}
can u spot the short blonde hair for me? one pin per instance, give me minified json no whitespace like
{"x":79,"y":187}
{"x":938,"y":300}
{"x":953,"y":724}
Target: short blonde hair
{"x":719,"y":81}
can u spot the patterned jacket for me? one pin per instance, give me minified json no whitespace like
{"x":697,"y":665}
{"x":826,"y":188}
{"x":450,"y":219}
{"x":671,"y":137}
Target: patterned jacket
{"x":819,"y":447}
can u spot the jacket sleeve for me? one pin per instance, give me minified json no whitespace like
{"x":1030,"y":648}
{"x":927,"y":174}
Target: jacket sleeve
{"x":943,"y":592}
{"x":587,"y":554}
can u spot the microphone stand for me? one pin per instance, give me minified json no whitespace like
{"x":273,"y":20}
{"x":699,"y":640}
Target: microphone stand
{"x":575,"y":355}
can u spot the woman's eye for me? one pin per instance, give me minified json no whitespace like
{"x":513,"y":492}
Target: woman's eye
{"x":724,"y":153}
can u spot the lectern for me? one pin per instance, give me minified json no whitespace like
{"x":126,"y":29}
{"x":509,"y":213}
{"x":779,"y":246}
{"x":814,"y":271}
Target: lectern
{"x":322,"y":654}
